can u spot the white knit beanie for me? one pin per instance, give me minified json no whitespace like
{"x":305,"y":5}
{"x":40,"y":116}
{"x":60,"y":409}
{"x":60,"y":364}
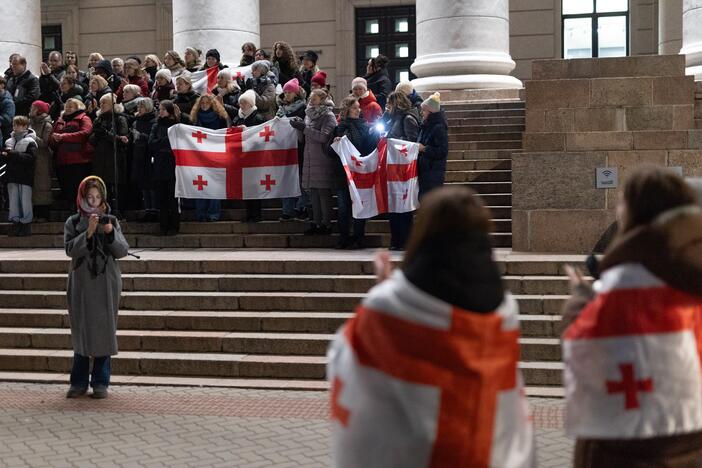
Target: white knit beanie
{"x":248,"y":96}
{"x":164,"y":73}
{"x":404,"y":87}
{"x":359,"y":81}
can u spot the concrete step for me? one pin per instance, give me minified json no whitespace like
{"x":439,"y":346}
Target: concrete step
{"x":487,"y":187}
{"x":461,"y":154}
{"x":483,"y":136}
{"x":244,"y":301}
{"x":221,"y":227}
{"x":479,"y":164}
{"x":479,"y":176}
{"x":489,"y":113}
{"x":230,"y":241}
{"x":486,"y":145}
{"x":489,"y":120}
{"x":544,"y":326}
{"x":220,"y":365}
{"x":451,"y":106}
{"x":172,"y":341}
{"x":456,"y":128}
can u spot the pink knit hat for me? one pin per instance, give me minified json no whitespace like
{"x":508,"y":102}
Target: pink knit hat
{"x":292,"y":86}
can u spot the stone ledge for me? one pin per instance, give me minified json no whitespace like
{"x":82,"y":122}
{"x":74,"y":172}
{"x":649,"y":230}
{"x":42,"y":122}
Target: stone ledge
{"x":647,"y":65}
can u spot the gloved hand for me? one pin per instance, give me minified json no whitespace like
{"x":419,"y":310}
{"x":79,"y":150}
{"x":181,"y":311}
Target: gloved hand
{"x":297,"y":123}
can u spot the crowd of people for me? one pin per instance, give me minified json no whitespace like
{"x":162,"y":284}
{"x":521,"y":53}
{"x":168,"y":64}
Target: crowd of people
{"x":111,"y":119}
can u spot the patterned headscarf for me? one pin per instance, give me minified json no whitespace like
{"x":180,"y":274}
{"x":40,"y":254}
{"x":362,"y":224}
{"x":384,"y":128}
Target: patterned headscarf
{"x":82,"y":204}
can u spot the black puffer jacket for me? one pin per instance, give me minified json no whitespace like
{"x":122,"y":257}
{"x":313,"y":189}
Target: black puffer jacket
{"x":25,"y":90}
{"x":21,"y":158}
{"x":186,"y":101}
{"x":379,"y":82}
{"x":160,"y":147}
{"x":142,"y":167}
{"x":431,"y":165}
{"x":102,"y":140}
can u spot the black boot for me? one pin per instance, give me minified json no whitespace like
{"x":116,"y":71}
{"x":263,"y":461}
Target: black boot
{"x":14,"y":230}
{"x":25,"y":230}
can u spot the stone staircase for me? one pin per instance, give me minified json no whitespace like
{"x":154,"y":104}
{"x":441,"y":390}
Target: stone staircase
{"x":255,"y":305}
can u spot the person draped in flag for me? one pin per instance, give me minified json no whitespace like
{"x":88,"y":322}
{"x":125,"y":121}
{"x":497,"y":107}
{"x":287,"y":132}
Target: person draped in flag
{"x":632,"y":343}
{"x":185,"y":94}
{"x":425,"y":373}
{"x":318,"y":167}
{"x":363,"y":138}
{"x":213,"y":60}
{"x":248,"y":116}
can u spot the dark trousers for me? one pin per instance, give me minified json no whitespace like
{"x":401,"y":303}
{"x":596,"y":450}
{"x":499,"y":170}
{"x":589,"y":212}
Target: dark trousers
{"x":345,"y":218}
{"x":253,"y":209}
{"x":81,"y":371}
{"x":70,"y":176}
{"x":208,"y":210}
{"x":168,"y":216}
{"x":400,"y":228}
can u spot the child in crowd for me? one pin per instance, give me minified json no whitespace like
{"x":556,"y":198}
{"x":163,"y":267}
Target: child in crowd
{"x":20,"y":155}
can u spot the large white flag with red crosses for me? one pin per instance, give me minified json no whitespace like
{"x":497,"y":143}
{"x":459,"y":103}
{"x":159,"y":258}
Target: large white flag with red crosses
{"x":632,"y":359}
{"x":204,"y":81}
{"x":384,"y":181}
{"x":251,"y":163}
{"x":417,"y":382}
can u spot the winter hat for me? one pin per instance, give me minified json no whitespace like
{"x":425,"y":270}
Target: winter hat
{"x":164,"y":73}
{"x":405,"y":87}
{"x":292,"y":86}
{"x":248,"y":96}
{"x":82,"y":198}
{"x":359,"y":81}
{"x":213,"y":53}
{"x":433,"y":103}
{"x":41,"y":106}
{"x":106,"y":66}
{"x":310,"y":55}
{"x":320,"y":78}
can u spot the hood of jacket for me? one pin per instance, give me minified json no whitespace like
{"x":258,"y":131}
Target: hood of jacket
{"x":670,"y":248}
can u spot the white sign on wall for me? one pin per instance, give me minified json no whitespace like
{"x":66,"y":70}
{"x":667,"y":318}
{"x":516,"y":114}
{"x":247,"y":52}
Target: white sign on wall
{"x":607,"y":177}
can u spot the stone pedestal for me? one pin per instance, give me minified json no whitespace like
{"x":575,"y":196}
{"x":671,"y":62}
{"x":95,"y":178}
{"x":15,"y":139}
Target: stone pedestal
{"x":20,"y":31}
{"x":220,"y":24}
{"x":670,"y":26}
{"x":463,"y":44}
{"x":596,"y":113}
{"x":692,"y":37}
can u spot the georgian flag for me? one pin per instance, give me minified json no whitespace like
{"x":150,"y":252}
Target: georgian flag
{"x":417,"y":382}
{"x":385,"y":181}
{"x":253,"y":163}
{"x":632,"y":359}
{"x":204,"y":81}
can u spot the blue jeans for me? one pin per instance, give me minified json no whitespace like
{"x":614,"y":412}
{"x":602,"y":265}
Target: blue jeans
{"x":81,"y":371}
{"x":20,"y":197}
{"x":208,"y":209}
{"x":293,"y":204}
{"x":344,"y":217}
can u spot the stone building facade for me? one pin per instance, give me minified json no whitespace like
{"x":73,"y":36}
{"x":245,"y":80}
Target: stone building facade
{"x":529,"y":29}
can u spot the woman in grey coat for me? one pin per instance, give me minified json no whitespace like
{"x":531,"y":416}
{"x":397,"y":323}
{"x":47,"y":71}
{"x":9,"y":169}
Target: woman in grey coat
{"x":318,"y":170}
{"x":94,"y":241}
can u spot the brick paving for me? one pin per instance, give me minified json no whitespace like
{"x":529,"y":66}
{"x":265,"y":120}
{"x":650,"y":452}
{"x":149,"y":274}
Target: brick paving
{"x":139,"y":426}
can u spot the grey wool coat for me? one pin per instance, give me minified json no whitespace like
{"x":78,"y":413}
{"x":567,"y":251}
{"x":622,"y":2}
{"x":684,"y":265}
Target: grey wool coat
{"x":94,"y":286}
{"x":318,"y":168}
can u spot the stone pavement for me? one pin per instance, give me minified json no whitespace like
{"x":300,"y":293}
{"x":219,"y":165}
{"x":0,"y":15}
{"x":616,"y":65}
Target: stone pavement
{"x":192,"y":427}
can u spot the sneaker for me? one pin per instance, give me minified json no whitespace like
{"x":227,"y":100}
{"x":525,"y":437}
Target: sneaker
{"x":312,"y":230}
{"x":75,"y":392}
{"x":99,"y":392}
{"x":286,"y":217}
{"x":301,"y":215}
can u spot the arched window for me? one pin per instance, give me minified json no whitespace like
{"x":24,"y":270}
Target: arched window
{"x":595,"y":28}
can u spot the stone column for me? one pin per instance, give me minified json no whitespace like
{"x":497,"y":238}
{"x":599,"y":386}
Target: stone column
{"x":20,"y":32}
{"x":670,"y":26}
{"x":216,"y":24}
{"x":463,"y":44}
{"x":692,"y":37}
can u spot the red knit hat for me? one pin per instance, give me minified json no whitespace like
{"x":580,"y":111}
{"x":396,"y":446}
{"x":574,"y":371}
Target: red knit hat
{"x":320,"y":78}
{"x":41,"y":106}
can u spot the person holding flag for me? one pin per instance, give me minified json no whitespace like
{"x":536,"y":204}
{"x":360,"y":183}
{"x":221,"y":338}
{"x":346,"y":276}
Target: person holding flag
{"x":425,"y":372}
{"x":631,"y":348}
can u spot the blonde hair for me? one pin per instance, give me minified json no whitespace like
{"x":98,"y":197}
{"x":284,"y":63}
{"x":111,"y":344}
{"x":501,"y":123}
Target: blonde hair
{"x":134,"y":89}
{"x":102,"y":82}
{"x":216,"y":106}
{"x":95,"y":55}
{"x":131,"y":63}
{"x":322,"y":93}
{"x":155,"y":59}
{"x":77,"y":102}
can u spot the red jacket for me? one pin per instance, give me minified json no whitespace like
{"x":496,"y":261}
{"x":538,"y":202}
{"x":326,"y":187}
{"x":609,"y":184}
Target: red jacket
{"x":73,"y":147}
{"x":370,"y":109}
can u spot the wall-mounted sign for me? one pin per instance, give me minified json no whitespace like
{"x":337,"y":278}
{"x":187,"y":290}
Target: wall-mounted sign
{"x":607,"y":177}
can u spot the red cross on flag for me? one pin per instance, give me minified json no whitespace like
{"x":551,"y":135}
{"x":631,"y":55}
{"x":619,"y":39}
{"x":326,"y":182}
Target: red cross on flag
{"x":204,"y":81}
{"x":385,"y":181}
{"x":258,"y":162}
{"x":417,"y":382}
{"x":632,"y":359}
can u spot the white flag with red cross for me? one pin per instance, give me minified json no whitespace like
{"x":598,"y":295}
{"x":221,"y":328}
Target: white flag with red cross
{"x":204,"y":81}
{"x":632,"y":359}
{"x":417,"y":382}
{"x":234,"y":163}
{"x":384,"y":181}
